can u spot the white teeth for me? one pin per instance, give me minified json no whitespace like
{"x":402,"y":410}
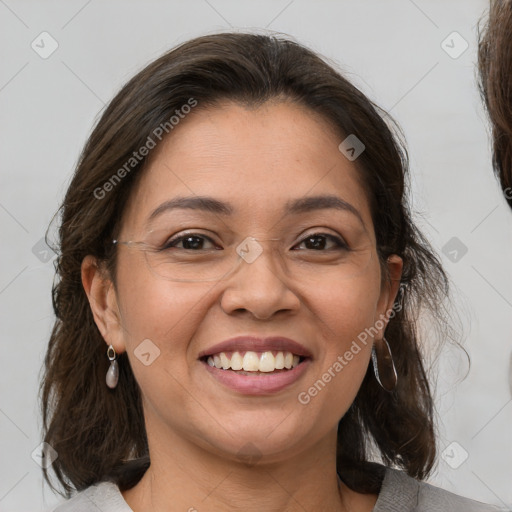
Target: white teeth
{"x":224,"y":361}
{"x":267,"y":362}
{"x":251,"y":362}
{"x":255,"y":361}
{"x":236,"y":361}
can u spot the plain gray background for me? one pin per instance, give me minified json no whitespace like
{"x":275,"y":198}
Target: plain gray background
{"x":392,"y":50}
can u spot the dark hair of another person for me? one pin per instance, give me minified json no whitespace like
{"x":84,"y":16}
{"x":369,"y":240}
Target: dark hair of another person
{"x":495,"y":65}
{"x":99,"y":433}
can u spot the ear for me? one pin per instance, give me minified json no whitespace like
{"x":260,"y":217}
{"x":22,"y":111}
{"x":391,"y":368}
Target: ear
{"x":389,"y":290}
{"x":103,"y":302}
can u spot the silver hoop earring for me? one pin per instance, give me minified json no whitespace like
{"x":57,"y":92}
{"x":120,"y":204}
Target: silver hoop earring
{"x":113,"y":372}
{"x":383,"y":365}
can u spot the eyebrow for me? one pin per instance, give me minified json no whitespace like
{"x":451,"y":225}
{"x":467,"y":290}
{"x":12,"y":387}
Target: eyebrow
{"x":324,"y":202}
{"x":202,"y":203}
{"x":211,"y":205}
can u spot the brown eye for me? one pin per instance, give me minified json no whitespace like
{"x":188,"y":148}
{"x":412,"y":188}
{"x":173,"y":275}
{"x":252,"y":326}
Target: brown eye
{"x":191,"y":242}
{"x":321,"y":242}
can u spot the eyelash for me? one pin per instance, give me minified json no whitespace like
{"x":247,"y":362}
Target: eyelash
{"x":339,"y":242}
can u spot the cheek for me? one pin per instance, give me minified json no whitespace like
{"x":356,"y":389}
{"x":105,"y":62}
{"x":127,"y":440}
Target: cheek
{"x":345,"y":316}
{"x":348,"y":309}
{"x":165,"y":312}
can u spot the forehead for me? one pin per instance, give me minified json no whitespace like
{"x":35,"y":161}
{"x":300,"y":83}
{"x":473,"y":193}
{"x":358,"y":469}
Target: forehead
{"x":257,"y":159}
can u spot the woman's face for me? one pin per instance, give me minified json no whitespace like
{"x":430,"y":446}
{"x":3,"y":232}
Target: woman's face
{"x":263,"y":165}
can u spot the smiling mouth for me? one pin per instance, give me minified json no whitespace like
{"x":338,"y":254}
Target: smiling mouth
{"x":254,"y":363}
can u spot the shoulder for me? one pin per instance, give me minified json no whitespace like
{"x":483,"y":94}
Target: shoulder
{"x":104,"y":496}
{"x":402,"y":493}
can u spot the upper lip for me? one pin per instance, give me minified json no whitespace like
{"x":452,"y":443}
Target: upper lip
{"x":256,"y":344}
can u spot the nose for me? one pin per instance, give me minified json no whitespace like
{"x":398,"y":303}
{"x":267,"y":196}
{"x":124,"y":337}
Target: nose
{"x":260,"y":287}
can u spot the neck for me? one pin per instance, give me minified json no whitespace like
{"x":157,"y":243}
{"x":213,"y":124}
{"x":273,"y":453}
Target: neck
{"x":188,"y":477}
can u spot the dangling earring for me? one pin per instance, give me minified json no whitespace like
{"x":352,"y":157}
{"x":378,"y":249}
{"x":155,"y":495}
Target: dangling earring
{"x":113,"y":371}
{"x":383,"y":365}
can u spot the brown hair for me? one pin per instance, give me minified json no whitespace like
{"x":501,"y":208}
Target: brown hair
{"x":99,"y":433}
{"x":495,"y":66}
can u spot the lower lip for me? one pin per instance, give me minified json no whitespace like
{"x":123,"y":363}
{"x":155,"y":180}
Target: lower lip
{"x":258,"y":384}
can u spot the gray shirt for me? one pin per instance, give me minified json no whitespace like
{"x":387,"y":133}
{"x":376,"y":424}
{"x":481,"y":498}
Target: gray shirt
{"x":399,"y":493}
